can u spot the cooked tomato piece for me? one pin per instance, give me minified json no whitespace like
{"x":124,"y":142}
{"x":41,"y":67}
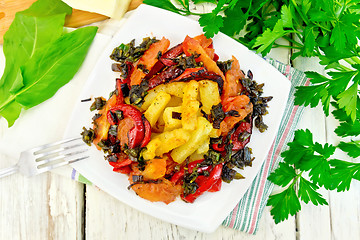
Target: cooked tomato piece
{"x":101,"y":124}
{"x":206,"y":44}
{"x":204,"y":41}
{"x":170,"y":164}
{"x":101,"y":129}
{"x":162,"y":191}
{"x":235,"y":103}
{"x":232,"y":84}
{"x":124,"y":126}
{"x":191,"y":46}
{"x":210,"y":52}
{"x":148,"y":60}
{"x":155,"y":168}
{"x":241,"y":104}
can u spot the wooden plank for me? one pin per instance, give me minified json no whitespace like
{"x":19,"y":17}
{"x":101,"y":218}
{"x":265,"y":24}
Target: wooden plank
{"x":119,"y":221}
{"x":311,"y":214}
{"x":66,"y":207}
{"x":42,"y":207}
{"x":345,"y":213}
{"x":23,"y":202}
{"x":344,"y":206}
{"x":314,"y":120}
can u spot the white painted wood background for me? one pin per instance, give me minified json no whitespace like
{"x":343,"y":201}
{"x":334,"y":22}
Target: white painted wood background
{"x":50,"y":206}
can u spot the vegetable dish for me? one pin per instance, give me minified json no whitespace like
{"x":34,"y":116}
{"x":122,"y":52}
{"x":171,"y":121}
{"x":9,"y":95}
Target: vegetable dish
{"x":179,"y":120}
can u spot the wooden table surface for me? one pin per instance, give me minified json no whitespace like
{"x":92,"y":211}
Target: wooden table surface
{"x":50,"y":206}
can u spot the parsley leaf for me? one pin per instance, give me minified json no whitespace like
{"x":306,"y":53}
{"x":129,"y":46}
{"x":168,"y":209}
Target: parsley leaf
{"x":312,"y":95}
{"x":283,"y":175}
{"x":267,"y":39}
{"x":311,"y":32}
{"x":306,"y":156}
{"x":352,"y":148}
{"x":307,"y":192}
{"x":343,"y":172}
{"x":347,"y":127}
{"x":324,"y":88}
{"x":347,"y":100}
{"x":213,"y":28}
{"x":235,"y":20}
{"x":284,"y":204}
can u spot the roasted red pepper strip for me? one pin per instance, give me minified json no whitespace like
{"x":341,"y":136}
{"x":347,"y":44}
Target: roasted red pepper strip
{"x":177,"y":176}
{"x":218,"y":147}
{"x":190,"y":74}
{"x":167,"y":59}
{"x":200,"y":73}
{"x":190,"y":167}
{"x":136,"y":134}
{"x":120,"y":164}
{"x":123,"y":170}
{"x":165,"y":76}
{"x":203,"y":179}
{"x":216,"y":187}
{"x":214,"y":176}
{"x":216,"y":57}
{"x":158,"y":67}
{"x":147,"y":136}
{"x":237,"y":144}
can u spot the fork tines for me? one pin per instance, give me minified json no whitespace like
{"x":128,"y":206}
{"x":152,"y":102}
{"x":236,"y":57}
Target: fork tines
{"x":60,"y":153}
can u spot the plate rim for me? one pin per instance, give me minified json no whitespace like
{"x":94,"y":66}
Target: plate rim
{"x":201,"y":226}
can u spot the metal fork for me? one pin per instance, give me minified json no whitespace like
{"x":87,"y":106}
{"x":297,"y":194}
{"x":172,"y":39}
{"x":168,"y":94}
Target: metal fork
{"x":49,"y":156}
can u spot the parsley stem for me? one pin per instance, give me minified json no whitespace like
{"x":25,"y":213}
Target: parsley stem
{"x":322,"y":27}
{"x":285,"y":46}
{"x":356,"y":59}
{"x":342,"y":68}
{"x":293,"y":41}
{"x":304,"y":17}
{"x":352,"y":60}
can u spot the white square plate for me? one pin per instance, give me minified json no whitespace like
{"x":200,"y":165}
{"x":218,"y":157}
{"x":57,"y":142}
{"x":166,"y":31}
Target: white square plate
{"x":210,"y":209}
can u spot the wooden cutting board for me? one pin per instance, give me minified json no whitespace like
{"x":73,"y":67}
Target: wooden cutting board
{"x":78,"y":18}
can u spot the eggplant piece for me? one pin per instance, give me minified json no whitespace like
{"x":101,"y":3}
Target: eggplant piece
{"x":166,"y":60}
{"x":165,"y":76}
{"x":200,"y":73}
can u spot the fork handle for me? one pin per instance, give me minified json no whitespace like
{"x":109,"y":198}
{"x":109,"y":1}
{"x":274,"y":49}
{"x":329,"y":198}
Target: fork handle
{"x":8,"y":171}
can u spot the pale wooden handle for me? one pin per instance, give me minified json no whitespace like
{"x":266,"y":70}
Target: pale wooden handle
{"x":8,"y":171}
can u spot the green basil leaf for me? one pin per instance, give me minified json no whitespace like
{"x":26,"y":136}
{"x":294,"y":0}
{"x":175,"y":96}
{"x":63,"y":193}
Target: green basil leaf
{"x":54,"y":66}
{"x":23,"y":46}
{"x":11,"y":112}
{"x":43,"y":8}
{"x":30,"y":30}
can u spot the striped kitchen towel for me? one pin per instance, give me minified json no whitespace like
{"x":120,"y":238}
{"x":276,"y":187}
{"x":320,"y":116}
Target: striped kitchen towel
{"x":246,"y":215}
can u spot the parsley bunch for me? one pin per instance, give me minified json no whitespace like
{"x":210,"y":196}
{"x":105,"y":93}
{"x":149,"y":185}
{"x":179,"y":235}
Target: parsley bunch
{"x":327,"y":29}
{"x":305,"y":156}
